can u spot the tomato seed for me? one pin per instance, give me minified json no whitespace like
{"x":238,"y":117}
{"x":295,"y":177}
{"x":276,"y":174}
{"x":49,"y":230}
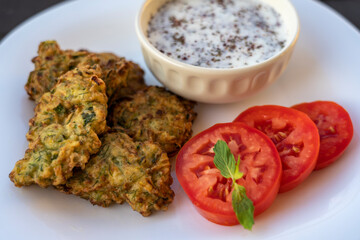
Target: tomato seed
{"x":332,"y":129}
{"x":295,"y":149}
{"x":282,"y":134}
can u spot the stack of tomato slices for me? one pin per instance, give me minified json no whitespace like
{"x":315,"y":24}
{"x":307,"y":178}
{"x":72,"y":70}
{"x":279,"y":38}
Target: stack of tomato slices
{"x":278,"y":148}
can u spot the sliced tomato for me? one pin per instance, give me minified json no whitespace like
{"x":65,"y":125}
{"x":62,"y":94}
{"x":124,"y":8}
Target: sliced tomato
{"x":335,"y":129}
{"x":209,"y":191}
{"x":295,"y":136}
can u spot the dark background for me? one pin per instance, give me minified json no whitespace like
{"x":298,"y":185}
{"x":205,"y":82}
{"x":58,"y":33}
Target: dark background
{"x":13,"y":12}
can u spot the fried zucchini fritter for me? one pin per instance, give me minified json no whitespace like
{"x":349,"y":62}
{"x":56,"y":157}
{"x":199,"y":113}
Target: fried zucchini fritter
{"x":121,"y":77}
{"x":52,"y":62}
{"x":157,"y":115}
{"x":124,"y":170}
{"x":63,"y":132}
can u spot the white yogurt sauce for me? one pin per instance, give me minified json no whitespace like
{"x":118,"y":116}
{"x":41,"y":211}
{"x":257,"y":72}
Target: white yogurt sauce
{"x":217,"y":33}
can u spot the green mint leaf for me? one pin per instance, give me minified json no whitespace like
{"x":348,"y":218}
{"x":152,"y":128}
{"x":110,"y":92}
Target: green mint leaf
{"x":224,"y":160}
{"x":243,"y":207}
{"x":238,"y":174}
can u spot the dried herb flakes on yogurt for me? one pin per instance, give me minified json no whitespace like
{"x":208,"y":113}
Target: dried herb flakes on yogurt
{"x":217,"y":33}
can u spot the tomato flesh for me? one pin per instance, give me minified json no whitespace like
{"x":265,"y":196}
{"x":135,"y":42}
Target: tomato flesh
{"x":294,"y":135}
{"x":209,"y":191}
{"x":335,"y":129}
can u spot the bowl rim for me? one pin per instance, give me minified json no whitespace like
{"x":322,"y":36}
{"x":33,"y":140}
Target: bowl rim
{"x":145,"y":42}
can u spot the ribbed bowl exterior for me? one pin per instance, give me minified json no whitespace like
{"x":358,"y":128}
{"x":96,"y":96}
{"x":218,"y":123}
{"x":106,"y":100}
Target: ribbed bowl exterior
{"x":208,"y":87}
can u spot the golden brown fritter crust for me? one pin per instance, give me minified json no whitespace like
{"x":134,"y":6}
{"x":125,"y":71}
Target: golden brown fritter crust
{"x":134,"y":83}
{"x":52,"y":62}
{"x":157,"y":115}
{"x":63,"y":132}
{"x":124,"y":170}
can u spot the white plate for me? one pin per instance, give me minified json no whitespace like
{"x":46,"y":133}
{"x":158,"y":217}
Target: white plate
{"x":325,"y":66}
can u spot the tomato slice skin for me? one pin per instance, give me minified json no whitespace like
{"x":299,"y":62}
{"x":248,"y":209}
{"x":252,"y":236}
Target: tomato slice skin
{"x":335,"y":129}
{"x":209,"y":191}
{"x":296,"y":138}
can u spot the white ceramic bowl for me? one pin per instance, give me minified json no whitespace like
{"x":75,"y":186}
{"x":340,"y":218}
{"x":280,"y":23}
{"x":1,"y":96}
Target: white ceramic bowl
{"x":213,"y":85}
